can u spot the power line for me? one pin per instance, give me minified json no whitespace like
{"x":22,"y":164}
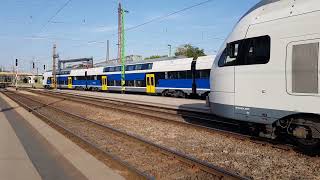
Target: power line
{"x":55,"y":14}
{"x":167,"y":15}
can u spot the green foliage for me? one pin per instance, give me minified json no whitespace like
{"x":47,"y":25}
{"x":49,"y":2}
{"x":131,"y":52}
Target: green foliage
{"x":190,"y":51}
{"x":154,"y":57}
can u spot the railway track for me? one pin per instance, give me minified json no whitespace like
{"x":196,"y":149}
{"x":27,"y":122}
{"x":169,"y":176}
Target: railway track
{"x":151,"y":159}
{"x":193,"y":119}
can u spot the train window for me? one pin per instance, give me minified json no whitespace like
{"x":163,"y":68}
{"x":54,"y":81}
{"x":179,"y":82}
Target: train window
{"x":117,"y":83}
{"x":161,"y":75}
{"x":152,"y":81}
{"x":130,"y":83}
{"x":117,"y":69}
{"x":182,"y":74}
{"x":205,"y":74}
{"x":246,"y":52}
{"x":111,"y":69}
{"x":139,"y":67}
{"x":148,"y":81}
{"x":226,"y":60}
{"x":147,"y":66}
{"x":111,"y":83}
{"x":80,"y":78}
{"x":189,"y":75}
{"x":140,"y":83}
{"x":173,"y":75}
{"x":197,"y":74}
{"x":255,"y":51}
{"x":131,"y":68}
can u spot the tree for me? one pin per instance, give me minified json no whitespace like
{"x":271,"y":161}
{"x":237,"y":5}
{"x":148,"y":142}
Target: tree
{"x":189,"y":51}
{"x":154,"y":57}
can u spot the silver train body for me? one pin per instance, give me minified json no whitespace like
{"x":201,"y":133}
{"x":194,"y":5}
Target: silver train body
{"x":267,"y":71}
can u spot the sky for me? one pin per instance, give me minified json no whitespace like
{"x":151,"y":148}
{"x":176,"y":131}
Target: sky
{"x":29,"y":28}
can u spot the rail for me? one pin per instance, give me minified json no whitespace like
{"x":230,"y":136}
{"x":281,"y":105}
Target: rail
{"x":209,"y":168}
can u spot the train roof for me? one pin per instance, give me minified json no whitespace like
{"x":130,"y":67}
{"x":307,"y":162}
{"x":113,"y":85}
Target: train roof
{"x":204,"y":62}
{"x":268,"y":10}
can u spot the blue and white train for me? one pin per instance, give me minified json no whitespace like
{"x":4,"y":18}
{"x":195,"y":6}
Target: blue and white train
{"x":174,"y":77}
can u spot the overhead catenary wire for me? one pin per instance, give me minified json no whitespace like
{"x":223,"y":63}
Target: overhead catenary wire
{"x":166,"y":16}
{"x":54,"y":15}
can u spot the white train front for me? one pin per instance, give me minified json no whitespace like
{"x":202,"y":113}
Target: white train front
{"x":267,"y":71}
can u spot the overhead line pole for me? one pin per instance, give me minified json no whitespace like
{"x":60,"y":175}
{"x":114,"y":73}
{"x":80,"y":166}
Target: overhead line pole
{"x":54,"y":73}
{"x":123,"y":59}
{"x":119,"y":31}
{"x":108,"y":51}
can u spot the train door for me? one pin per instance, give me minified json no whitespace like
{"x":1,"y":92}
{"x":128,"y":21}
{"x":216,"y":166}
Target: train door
{"x":151,"y":83}
{"x":104,"y":80}
{"x":70,"y":82}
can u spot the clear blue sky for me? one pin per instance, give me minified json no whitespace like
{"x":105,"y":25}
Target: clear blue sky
{"x":83,"y":26}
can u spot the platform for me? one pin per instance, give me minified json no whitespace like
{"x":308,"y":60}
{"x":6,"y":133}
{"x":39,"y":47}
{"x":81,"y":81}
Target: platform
{"x":30,"y":149}
{"x":175,"y":103}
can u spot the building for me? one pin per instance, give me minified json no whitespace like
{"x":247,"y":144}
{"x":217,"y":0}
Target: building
{"x":129,"y":59}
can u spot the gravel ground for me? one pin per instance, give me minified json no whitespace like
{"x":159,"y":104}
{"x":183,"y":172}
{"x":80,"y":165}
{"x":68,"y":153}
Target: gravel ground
{"x":140,"y":156}
{"x":244,"y":157}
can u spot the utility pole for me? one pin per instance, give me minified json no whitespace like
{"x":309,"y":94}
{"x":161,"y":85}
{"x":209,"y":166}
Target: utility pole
{"x":121,"y":39}
{"x":119,"y":31}
{"x":37,"y":75}
{"x":170,"y":48}
{"x":54,"y":73}
{"x":108,"y":51}
{"x":33,"y":76}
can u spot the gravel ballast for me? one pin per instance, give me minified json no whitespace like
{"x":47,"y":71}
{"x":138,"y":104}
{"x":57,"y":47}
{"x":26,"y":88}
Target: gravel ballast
{"x":247,"y":158}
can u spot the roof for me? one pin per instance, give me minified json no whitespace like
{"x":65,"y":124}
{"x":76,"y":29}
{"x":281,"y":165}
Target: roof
{"x":13,"y":74}
{"x":258,"y":5}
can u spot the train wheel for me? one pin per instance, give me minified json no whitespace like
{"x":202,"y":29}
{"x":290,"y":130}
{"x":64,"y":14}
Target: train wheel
{"x":179,"y":94}
{"x":303,"y":131}
{"x":164,"y":93}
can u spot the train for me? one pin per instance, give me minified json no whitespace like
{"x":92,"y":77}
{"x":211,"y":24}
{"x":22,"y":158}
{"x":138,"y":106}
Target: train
{"x":178,"y":77}
{"x":267,"y":71}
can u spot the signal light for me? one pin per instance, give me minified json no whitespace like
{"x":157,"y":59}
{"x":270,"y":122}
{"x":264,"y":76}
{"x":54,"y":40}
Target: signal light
{"x":16,"y":62}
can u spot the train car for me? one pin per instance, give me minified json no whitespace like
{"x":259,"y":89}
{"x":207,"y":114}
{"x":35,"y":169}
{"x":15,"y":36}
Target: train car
{"x":47,"y":80}
{"x":174,"y":77}
{"x":267,"y":71}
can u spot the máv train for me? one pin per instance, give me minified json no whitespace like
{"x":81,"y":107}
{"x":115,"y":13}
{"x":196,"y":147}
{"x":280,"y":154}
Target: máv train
{"x":267,"y":71}
{"x":173,"y":77}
